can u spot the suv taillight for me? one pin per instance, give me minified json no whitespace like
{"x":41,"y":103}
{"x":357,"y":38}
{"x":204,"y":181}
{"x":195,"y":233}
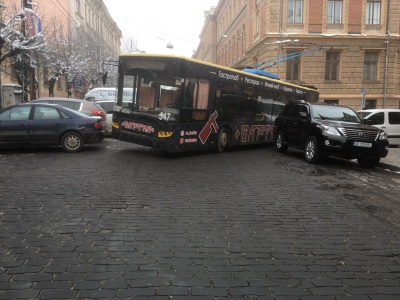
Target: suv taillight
{"x":97,"y":112}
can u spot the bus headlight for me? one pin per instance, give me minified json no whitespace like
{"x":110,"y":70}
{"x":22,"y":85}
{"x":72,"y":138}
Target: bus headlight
{"x":115,"y":125}
{"x":164,"y":134}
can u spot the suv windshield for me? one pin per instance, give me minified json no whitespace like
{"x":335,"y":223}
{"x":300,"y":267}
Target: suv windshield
{"x":344,"y":114}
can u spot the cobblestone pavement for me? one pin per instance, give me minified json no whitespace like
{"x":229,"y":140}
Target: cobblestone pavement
{"x":392,"y":160}
{"x":122,"y":221}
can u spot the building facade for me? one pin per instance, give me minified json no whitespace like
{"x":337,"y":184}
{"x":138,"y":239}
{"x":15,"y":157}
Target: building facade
{"x":348,"y":49}
{"x":89,"y":19}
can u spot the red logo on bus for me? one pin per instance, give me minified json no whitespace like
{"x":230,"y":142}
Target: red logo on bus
{"x":209,"y":127}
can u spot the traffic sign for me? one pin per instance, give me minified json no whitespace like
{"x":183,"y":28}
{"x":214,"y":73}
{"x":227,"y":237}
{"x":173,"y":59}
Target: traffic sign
{"x":78,"y":83}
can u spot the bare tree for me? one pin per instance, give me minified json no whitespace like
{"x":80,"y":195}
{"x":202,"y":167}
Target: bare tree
{"x":19,"y":43}
{"x":14,"y":41}
{"x":129,"y":45}
{"x":75,"y":53}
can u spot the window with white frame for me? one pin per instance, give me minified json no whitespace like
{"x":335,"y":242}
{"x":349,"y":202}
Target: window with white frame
{"x":373,"y":15}
{"x":295,"y":11}
{"x":334,"y":12}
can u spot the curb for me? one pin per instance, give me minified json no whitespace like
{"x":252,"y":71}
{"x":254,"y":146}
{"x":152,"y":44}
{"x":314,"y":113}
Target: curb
{"x":389,"y":167}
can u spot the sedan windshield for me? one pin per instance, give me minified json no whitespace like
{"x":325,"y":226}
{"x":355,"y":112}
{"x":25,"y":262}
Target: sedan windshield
{"x":343,"y":114}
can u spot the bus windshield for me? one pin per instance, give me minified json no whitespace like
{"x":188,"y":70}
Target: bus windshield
{"x":155,"y":93}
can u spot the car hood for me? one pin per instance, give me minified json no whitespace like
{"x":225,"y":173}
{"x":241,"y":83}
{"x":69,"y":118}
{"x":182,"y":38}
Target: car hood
{"x":338,"y":124}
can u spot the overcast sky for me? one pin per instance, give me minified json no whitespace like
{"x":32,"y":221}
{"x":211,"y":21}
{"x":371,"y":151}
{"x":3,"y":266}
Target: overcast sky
{"x":155,"y":23}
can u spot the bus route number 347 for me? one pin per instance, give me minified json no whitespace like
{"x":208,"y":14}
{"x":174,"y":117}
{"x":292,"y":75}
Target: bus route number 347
{"x":164,"y":116}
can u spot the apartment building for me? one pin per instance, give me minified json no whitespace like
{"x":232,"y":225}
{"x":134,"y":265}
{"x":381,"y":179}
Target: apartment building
{"x":348,"y":49}
{"x":98,"y":34}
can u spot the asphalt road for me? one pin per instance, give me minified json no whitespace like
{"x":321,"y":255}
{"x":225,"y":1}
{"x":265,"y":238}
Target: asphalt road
{"x":123,"y":221}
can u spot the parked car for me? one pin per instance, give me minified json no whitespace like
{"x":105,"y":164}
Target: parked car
{"x":40,"y":124}
{"x":108,"y":106}
{"x":329,"y":130}
{"x":86,"y":107}
{"x":108,"y":93}
{"x":386,"y":119}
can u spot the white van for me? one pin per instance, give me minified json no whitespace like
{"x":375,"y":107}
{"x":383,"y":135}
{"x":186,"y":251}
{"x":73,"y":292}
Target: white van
{"x":386,"y":119}
{"x":107,"y":94}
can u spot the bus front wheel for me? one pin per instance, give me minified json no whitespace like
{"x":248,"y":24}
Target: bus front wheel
{"x":222,"y":140}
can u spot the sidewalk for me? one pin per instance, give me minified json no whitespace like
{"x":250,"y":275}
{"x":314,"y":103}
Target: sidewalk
{"x":392,"y":160}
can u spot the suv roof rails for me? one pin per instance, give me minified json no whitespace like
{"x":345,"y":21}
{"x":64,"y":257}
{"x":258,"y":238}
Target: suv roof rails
{"x":297,"y":101}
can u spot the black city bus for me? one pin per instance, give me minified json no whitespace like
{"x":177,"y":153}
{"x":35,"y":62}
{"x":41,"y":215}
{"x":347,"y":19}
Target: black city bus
{"x":181,"y":104}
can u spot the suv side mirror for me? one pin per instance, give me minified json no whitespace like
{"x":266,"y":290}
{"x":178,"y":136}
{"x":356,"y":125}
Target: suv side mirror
{"x":303,"y":114}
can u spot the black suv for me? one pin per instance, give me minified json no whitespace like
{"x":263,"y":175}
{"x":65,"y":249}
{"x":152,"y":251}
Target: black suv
{"x":321,"y":130}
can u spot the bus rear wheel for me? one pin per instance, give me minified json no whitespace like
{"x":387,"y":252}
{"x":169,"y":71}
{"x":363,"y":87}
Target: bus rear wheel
{"x":222,"y":140}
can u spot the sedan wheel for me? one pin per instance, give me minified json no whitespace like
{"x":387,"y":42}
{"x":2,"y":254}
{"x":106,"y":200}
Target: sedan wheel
{"x":72,"y":142}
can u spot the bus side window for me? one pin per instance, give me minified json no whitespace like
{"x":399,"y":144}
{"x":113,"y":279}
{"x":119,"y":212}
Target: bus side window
{"x":195,"y":100}
{"x":200,"y":114}
{"x":202,"y":99}
{"x":247,"y":108}
{"x":189,"y":95}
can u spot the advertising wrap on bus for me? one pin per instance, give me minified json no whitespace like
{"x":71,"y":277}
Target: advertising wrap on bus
{"x":181,"y":104}
{"x":107,"y":94}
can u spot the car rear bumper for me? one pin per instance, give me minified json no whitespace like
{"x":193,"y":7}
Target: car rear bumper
{"x":94,"y":137}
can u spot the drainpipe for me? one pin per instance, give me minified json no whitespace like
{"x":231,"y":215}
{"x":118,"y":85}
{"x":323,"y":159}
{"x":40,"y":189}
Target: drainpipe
{"x":387,"y":54}
{"x":280,"y":34}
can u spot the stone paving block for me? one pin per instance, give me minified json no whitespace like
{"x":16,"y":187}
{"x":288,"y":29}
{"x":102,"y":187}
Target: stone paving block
{"x":149,"y":282}
{"x":58,"y":294}
{"x":172,"y":291}
{"x":87,"y":285}
{"x":290,"y":291}
{"x":215,"y":292}
{"x":19,"y":294}
{"x":137,"y":292}
{"x":97,"y":294}
{"x":387,"y":290}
